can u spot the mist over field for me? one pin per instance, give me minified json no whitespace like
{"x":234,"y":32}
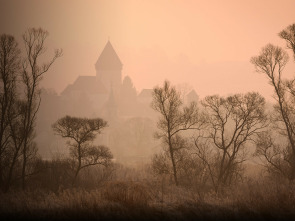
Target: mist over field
{"x":147,"y":110}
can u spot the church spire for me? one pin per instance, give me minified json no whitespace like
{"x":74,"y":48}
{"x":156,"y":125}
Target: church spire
{"x":109,"y":68}
{"x":108,"y":59}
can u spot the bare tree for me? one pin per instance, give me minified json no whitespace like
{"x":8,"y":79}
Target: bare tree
{"x":276,"y":154}
{"x":9,"y":70}
{"x":32,"y":73}
{"x":271,"y":62}
{"x":173,"y":119}
{"x":16,"y":140}
{"x":288,"y":34}
{"x":81,"y":132}
{"x":232,"y":122}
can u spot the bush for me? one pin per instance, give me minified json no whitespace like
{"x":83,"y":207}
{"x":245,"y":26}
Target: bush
{"x":127,"y":193}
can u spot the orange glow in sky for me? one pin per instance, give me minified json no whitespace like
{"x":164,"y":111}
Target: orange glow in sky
{"x":206,"y":44}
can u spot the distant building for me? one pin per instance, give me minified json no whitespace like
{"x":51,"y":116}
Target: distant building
{"x":107,"y":95}
{"x":109,"y":68}
{"x":145,"y":96}
{"x":131,"y":119}
{"x":192,"y":96}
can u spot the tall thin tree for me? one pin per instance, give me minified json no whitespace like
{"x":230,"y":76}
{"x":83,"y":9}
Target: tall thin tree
{"x":32,"y":73}
{"x":9,"y":69}
{"x":173,"y":119}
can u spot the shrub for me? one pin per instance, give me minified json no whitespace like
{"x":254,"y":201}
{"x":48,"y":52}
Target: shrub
{"x":127,"y":193}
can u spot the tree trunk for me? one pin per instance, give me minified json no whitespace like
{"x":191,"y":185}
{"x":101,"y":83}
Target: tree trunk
{"x":221,"y":172}
{"x":79,"y":164}
{"x":7,"y":186}
{"x":76,"y":175}
{"x":1,"y":173}
{"x":24,"y":167}
{"x":173,"y":162}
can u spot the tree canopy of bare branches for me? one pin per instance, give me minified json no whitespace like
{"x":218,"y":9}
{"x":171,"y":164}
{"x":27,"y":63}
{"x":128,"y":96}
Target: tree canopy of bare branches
{"x":80,"y":133}
{"x":288,"y":34}
{"x":174,"y":118}
{"x":32,"y":73}
{"x":20,"y":98}
{"x":9,"y":71}
{"x":231,"y":123}
{"x":279,"y":153}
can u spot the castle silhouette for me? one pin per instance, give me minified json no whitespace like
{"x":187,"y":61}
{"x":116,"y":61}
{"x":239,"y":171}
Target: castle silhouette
{"x":107,"y":95}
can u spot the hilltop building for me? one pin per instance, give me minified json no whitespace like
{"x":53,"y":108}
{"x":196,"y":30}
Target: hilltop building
{"x":102,"y":91}
{"x":131,"y":120}
{"x":106,"y":95}
{"x":109,"y":69}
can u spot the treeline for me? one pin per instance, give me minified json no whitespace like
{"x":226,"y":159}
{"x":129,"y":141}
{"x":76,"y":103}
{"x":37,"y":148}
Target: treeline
{"x":207,"y":144}
{"x":19,"y":103}
{"x":204,"y":144}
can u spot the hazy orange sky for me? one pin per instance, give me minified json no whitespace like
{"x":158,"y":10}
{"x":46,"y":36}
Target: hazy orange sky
{"x":207,"y":44}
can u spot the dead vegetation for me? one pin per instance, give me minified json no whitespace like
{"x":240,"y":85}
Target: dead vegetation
{"x":153,"y":198}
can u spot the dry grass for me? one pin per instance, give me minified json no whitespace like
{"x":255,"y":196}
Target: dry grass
{"x":151,"y":200}
{"x":127,"y":193}
{"x":269,"y":198}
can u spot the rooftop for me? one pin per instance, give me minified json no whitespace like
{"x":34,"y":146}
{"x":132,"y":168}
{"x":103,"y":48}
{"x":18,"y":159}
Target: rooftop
{"x":108,"y":59}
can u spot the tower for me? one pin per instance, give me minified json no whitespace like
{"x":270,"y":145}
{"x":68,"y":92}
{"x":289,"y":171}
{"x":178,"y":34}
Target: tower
{"x":111,"y":107}
{"x":109,"y":68}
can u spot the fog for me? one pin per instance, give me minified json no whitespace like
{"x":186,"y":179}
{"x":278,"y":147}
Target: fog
{"x":205,"y":44}
{"x":158,"y":105}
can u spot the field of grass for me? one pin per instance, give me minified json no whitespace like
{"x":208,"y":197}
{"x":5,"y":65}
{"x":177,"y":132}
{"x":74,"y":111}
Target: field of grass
{"x":152,"y":200}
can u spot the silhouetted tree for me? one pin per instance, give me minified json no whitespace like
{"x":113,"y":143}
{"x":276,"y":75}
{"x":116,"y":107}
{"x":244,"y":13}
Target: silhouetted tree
{"x":80,"y":133}
{"x":288,"y":34}
{"x":9,"y":71}
{"x":189,"y":166}
{"x":32,"y":73}
{"x":173,"y":119}
{"x":280,"y":152}
{"x":230,"y":124}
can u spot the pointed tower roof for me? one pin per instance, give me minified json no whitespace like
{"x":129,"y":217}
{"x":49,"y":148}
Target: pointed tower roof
{"x":108,"y":59}
{"x":192,"y":96}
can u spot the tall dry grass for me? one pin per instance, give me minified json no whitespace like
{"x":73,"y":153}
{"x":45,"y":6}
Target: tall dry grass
{"x":136,"y":195}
